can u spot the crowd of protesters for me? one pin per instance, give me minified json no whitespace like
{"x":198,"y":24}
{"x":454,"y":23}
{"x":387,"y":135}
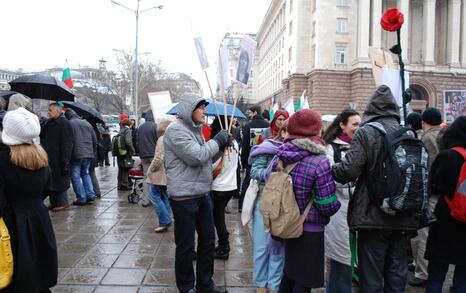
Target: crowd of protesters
{"x":192,"y":171}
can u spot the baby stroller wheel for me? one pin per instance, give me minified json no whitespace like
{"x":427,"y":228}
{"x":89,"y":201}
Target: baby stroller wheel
{"x":133,"y":197}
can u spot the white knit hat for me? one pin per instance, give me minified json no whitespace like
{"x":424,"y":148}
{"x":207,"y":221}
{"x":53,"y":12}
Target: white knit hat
{"x":20,"y":127}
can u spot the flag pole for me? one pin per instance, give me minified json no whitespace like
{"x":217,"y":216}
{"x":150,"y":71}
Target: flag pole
{"x":215,"y":100}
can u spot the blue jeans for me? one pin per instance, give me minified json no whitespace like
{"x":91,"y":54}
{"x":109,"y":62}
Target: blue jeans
{"x":268,"y":268}
{"x":81,"y":180}
{"x":339,"y":279}
{"x":191,"y":216}
{"x":383,"y":260}
{"x":159,"y":199}
{"x":437,"y":272}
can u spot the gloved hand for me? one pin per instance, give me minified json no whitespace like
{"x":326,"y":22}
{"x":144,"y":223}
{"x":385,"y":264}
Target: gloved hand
{"x":222,"y":138}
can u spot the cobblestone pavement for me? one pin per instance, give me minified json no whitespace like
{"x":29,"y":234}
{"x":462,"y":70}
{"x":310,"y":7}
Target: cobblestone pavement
{"x":111,"y":246}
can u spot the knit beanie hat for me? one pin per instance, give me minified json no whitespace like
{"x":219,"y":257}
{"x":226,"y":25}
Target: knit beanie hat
{"x":414,"y":120}
{"x":123,"y":116}
{"x":20,"y":127}
{"x":432,"y":116}
{"x":306,"y":123}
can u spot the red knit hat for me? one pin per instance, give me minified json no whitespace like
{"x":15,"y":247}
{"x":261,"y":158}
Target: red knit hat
{"x":123,"y":116}
{"x":306,"y":123}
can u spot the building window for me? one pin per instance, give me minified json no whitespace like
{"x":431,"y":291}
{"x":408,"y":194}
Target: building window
{"x":342,"y":25}
{"x":289,"y":53}
{"x":291,"y":28}
{"x":340,"y":55}
{"x":291,"y":6}
{"x":342,"y":2}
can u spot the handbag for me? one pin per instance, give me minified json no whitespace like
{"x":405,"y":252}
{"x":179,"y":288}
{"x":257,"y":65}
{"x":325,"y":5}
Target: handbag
{"x":249,"y":200}
{"x":6,"y":256}
{"x":128,"y":163}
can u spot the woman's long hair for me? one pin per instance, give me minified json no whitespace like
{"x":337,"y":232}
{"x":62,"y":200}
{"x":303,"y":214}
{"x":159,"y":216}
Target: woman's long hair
{"x":334,"y":129}
{"x":28,"y":156}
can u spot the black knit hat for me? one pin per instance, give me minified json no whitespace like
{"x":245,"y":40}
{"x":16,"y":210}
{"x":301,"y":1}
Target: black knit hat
{"x":414,"y":120}
{"x":432,"y":116}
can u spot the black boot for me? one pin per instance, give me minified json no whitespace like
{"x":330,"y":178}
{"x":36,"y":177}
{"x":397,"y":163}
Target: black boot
{"x":222,"y":252}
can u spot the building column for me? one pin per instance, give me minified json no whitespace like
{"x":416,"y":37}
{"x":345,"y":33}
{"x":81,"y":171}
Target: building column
{"x":429,"y":32}
{"x":454,"y":25}
{"x":363,"y":29}
{"x":463,"y":33}
{"x":403,"y":6}
{"x":376,"y":27}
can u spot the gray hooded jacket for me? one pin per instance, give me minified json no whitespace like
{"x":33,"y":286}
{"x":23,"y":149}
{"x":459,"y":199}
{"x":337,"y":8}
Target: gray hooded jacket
{"x":188,"y":158}
{"x":360,"y":161}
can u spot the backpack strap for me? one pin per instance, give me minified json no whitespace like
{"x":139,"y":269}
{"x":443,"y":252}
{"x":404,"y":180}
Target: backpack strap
{"x":336,"y":152}
{"x":303,"y":216}
{"x":377,"y":125}
{"x":288,"y":168}
{"x":461,"y":151}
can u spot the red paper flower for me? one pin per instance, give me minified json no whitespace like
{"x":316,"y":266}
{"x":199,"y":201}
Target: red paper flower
{"x":392,"y":20}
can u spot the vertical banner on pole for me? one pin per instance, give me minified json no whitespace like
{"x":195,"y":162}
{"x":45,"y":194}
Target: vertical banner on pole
{"x":201,"y":53}
{"x":223,"y":66}
{"x":246,"y":59}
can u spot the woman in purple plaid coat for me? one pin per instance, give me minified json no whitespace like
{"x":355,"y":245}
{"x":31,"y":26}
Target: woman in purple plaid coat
{"x":312,"y":177}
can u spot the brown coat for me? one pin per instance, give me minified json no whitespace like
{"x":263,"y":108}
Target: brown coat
{"x":429,"y":138}
{"x":156,"y":173}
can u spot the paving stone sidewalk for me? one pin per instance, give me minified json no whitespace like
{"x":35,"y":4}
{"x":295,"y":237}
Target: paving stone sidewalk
{"x":111,"y":246}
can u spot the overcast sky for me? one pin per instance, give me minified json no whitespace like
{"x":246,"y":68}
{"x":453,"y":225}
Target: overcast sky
{"x":39,"y":34}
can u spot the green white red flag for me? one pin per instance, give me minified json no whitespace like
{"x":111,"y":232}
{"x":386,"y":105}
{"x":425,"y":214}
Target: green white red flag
{"x":66,"y":77}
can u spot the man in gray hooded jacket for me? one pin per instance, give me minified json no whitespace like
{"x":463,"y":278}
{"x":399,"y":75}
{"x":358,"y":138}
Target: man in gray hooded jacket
{"x":383,"y":240}
{"x":188,"y":166}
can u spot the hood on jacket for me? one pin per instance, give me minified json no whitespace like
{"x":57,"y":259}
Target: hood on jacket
{"x":71,"y":114}
{"x":268,"y":147}
{"x":19,"y":101}
{"x":455,"y":135}
{"x":149,"y":116}
{"x":381,"y":104}
{"x":186,"y":107}
{"x":298,"y":149}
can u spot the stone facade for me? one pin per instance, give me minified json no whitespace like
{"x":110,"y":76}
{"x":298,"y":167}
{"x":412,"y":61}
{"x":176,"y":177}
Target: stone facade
{"x":433,"y":38}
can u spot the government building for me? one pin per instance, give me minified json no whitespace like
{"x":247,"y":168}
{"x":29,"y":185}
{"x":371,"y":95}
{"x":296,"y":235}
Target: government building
{"x":323,"y":47}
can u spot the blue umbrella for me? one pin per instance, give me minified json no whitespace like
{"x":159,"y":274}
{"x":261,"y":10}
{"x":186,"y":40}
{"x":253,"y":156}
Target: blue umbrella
{"x":211,"y":110}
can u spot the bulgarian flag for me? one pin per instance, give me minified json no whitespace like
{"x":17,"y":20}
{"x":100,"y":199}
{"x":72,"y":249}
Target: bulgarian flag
{"x":274,"y":108}
{"x":302,"y":102}
{"x":66,"y":77}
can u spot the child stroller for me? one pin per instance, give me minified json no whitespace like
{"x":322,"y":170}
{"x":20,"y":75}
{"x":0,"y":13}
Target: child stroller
{"x":136,"y":175}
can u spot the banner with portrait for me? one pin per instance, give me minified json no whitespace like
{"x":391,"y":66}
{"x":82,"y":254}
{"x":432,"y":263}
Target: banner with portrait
{"x":454,"y":104}
{"x":246,"y":59}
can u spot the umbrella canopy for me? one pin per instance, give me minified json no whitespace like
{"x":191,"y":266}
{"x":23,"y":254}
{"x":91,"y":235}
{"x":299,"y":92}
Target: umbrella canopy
{"x":211,"y":110}
{"x":85,"y":111}
{"x":7,"y":94}
{"x":38,"y":86}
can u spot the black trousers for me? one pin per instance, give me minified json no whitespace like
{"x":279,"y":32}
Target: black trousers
{"x":244,"y":186}
{"x":191,"y":216}
{"x":220,"y":200}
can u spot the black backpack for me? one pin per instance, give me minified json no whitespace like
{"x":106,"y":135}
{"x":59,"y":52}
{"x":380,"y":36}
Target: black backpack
{"x":398,"y":185}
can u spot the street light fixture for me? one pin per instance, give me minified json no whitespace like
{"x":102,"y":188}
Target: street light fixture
{"x":137,"y":13}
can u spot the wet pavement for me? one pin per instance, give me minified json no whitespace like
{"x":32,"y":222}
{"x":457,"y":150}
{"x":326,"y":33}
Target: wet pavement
{"x":111,"y":246}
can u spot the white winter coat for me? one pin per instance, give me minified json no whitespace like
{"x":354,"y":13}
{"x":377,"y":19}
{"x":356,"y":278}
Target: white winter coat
{"x":336,"y":232}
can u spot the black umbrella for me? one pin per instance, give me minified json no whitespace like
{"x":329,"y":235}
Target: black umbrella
{"x":38,"y":86}
{"x":85,"y":111}
{"x":7,"y":94}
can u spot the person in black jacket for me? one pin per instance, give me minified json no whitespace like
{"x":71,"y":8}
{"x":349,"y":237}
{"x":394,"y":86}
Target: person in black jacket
{"x":107,"y":144}
{"x":146,"y":141}
{"x":23,"y":178}
{"x":257,"y":121}
{"x":56,"y":138}
{"x":446,"y":243}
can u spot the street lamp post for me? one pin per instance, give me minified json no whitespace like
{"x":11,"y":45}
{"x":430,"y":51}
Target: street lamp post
{"x":136,"y":64}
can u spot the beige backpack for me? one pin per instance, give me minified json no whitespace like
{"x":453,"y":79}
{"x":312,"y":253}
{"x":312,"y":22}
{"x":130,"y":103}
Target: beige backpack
{"x":278,"y":206}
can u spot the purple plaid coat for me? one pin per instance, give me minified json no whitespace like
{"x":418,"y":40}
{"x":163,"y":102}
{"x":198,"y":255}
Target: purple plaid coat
{"x":312,"y":173}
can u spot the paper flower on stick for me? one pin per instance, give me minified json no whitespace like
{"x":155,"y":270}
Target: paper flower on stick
{"x":392,"y":20}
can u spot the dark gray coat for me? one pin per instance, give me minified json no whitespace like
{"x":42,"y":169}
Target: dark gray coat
{"x":84,"y":139}
{"x":147,"y":137}
{"x":360,"y":161}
